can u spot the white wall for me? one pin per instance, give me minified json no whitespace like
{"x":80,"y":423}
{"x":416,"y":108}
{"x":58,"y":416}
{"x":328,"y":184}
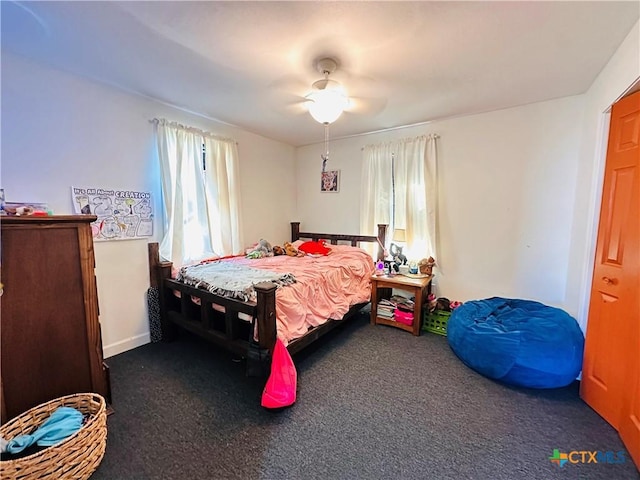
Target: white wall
{"x":621,"y":72}
{"x":60,"y":130}
{"x":506,"y":197}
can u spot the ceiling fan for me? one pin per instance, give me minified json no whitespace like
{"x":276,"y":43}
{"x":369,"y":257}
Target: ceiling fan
{"x":327,"y":101}
{"x":327,"y":98}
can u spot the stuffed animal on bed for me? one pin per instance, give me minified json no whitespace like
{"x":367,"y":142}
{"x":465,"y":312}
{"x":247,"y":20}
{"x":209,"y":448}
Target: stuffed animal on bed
{"x":292,"y":251}
{"x":288,"y":249}
{"x":260,"y":250}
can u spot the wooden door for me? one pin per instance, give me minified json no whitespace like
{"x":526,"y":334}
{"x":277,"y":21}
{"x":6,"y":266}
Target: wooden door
{"x":630,"y":419}
{"x":611,"y":370}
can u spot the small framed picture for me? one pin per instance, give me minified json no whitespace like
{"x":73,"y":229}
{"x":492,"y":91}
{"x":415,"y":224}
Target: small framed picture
{"x":330,"y":181}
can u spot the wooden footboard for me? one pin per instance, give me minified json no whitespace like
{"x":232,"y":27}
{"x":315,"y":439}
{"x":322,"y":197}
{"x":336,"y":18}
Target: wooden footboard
{"x":227,"y":329}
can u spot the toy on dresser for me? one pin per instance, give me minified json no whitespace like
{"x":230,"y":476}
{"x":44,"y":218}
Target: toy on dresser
{"x":398,"y":258}
{"x":426,"y":265}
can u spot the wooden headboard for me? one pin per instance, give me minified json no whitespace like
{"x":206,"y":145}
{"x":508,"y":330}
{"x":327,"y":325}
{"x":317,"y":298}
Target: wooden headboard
{"x":333,"y":238}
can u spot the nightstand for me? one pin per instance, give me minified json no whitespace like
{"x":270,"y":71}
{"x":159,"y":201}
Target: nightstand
{"x":381,"y":287}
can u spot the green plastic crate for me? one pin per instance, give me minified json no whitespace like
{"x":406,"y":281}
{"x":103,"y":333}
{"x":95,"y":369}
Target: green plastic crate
{"x":436,"y":322}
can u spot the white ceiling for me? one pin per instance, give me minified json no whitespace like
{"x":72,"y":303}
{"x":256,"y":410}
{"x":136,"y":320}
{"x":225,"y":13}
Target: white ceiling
{"x":249,"y":63}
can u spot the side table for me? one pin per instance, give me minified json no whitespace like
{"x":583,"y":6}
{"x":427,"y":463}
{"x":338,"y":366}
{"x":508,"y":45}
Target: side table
{"x":381,"y":287}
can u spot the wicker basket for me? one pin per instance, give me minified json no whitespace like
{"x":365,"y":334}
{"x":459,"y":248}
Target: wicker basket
{"x":77,"y":457}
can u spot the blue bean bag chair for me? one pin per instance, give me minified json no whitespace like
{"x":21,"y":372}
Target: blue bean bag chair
{"x":518,"y":342}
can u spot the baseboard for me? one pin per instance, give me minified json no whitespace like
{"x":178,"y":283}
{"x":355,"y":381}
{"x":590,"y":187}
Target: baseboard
{"x":125,"y":345}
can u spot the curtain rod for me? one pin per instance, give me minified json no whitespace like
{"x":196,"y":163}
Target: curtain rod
{"x":163,"y":121}
{"x":434,"y":136}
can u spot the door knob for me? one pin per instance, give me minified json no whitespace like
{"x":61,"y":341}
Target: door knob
{"x":610,"y":281}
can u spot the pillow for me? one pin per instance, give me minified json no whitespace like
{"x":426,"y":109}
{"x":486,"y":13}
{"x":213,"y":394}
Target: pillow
{"x":314,"y":248}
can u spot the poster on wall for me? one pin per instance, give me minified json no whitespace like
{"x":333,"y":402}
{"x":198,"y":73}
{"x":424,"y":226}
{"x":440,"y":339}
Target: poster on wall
{"x":330,"y":181}
{"x":122,"y":214}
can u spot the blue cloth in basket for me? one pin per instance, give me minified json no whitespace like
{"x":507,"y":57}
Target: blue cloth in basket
{"x":518,"y":342}
{"x":63,"y":422}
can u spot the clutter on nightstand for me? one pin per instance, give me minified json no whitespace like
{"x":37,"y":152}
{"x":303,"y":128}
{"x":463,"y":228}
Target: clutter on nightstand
{"x":426,"y":265}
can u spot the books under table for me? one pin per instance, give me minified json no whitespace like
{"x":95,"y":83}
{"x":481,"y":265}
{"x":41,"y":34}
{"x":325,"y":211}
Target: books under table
{"x":388,"y":308}
{"x":397,"y":301}
{"x":385,"y":313}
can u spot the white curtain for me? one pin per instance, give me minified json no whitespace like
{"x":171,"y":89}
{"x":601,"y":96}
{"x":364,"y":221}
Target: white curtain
{"x":376,"y":195}
{"x":399,"y":186}
{"x":201,"y":206}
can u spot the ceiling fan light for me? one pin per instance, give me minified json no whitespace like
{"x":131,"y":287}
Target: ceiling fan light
{"x":326,"y":106}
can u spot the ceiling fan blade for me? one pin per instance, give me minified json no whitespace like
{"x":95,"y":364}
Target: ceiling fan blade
{"x":366,"y":105}
{"x":287,"y":95}
{"x":291,"y":104}
{"x":289,"y":84}
{"x":297,"y":108}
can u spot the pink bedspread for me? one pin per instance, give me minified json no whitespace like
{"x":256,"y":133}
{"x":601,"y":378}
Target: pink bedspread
{"x":326,"y":287}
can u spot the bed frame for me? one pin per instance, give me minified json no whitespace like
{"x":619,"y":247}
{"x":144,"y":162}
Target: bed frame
{"x":226,"y":329}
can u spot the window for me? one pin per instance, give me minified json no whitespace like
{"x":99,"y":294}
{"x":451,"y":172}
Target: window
{"x":201,"y":197}
{"x":399,"y":189}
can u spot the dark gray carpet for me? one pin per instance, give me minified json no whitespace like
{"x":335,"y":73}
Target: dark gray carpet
{"x":373,"y":403}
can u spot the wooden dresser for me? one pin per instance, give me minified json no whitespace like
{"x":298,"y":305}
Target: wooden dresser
{"x":49,"y":328}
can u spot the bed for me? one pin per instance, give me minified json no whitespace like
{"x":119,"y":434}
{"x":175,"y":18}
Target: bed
{"x":226,"y":321}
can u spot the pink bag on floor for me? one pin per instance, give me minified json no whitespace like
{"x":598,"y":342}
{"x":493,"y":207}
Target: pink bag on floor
{"x":280,"y":390}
